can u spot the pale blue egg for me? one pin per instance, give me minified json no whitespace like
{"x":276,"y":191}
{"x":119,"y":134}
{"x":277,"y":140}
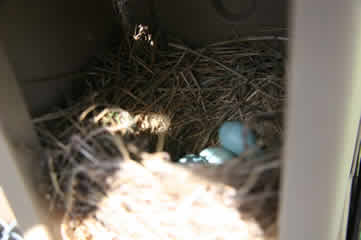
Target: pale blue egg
{"x":232,"y":137}
{"x":216,"y":155}
{"x":192,"y":158}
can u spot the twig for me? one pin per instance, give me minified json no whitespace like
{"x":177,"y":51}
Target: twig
{"x":209,"y":59}
{"x":98,"y":117}
{"x":50,"y":116}
{"x":160,"y":143}
{"x":86,"y":112}
{"x":142,"y":63}
{"x":53,"y":176}
{"x":122,"y":148}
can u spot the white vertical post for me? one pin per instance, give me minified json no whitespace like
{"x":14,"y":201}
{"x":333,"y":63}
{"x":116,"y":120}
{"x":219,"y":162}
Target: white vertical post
{"x":324,"y":109}
{"x":19,"y":165}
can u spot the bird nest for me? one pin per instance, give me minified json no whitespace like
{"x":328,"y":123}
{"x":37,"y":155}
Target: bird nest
{"x":112,"y":155}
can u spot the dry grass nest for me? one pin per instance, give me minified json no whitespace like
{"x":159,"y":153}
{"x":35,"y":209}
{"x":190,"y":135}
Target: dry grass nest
{"x":111,"y":155}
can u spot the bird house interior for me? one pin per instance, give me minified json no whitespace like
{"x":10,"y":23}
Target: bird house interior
{"x":155,"y":119}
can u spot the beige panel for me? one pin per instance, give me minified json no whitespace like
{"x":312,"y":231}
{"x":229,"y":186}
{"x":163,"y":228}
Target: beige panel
{"x":46,"y":39}
{"x":19,"y":150}
{"x":6,"y":213}
{"x":324,"y":110}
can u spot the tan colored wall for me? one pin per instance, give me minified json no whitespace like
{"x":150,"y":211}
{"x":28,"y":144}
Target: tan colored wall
{"x":20,"y":156}
{"x":45,"y":39}
{"x":323,"y":114}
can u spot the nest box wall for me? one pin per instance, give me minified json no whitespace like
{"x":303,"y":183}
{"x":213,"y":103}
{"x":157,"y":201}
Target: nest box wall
{"x":45,"y":40}
{"x":206,"y":21}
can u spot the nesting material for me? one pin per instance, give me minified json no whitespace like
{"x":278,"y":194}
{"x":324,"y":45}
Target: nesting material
{"x":110,"y":154}
{"x":107,"y":195}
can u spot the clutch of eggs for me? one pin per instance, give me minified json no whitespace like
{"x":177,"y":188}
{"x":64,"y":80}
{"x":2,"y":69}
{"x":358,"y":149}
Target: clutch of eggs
{"x":216,"y":155}
{"x":233,"y":136}
{"x":192,"y":158}
{"x":211,"y":155}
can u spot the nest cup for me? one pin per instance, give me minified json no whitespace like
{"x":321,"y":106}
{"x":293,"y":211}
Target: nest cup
{"x":112,"y":153}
